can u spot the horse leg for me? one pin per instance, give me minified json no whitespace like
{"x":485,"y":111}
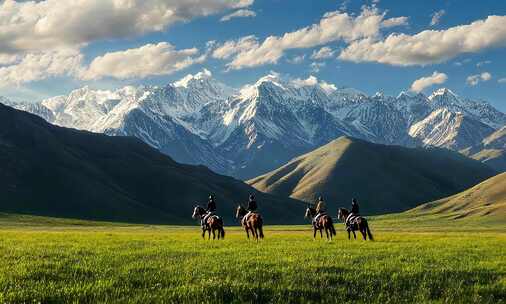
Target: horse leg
{"x":349,"y":235}
{"x":247,"y":232}
{"x":203,"y":233}
{"x":364,"y":235}
{"x":354,"y":235}
{"x":314,"y":233}
{"x":327,"y":233}
{"x":209,"y":234}
{"x":214,"y":235}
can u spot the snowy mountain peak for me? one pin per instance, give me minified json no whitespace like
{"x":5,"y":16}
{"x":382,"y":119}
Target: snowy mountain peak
{"x":442,"y":92}
{"x":188,"y":79}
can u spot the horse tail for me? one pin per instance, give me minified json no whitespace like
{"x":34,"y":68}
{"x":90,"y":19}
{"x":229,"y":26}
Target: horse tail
{"x":222,"y":232}
{"x":369,"y":234}
{"x":332,"y":228}
{"x":260,"y":228}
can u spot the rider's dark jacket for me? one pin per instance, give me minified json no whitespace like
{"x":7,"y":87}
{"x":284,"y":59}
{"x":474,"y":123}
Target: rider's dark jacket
{"x":252,"y":205}
{"x":211,"y":206}
{"x":354,"y":208}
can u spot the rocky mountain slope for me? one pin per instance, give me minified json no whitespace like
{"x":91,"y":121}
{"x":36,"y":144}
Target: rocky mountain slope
{"x":247,"y":132}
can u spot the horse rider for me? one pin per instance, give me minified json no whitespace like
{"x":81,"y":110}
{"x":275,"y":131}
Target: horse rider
{"x":252,"y":206}
{"x":354,"y":207}
{"x":321,"y":208}
{"x":354,"y":212}
{"x":211,"y":208}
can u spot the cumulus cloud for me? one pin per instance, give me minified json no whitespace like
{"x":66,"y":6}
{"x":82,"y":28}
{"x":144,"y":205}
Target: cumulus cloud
{"x":393,"y":22}
{"x":425,"y":82}
{"x":475,"y":79}
{"x":316,"y":66}
{"x":233,"y":47}
{"x":148,"y":60}
{"x":312,"y":81}
{"x":41,"y":65}
{"x":429,"y":46}
{"x":482,"y":63}
{"x":323,"y":53}
{"x":333,"y":26}
{"x":239,"y":14}
{"x":436,"y":17}
{"x":296,"y":59}
{"x":41,"y":25}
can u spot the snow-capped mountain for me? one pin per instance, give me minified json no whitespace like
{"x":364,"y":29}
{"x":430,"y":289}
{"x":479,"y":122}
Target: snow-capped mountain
{"x":247,"y":132}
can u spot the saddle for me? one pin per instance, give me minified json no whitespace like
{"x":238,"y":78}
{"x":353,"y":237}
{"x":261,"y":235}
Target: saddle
{"x":352,"y":219}
{"x":246,"y":217}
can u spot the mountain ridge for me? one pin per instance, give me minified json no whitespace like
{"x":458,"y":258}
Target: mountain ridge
{"x":198,"y":120}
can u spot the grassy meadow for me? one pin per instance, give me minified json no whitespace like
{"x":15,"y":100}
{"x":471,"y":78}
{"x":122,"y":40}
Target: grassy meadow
{"x":50,"y":261}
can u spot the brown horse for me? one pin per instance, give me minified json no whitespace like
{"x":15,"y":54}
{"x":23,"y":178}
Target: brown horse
{"x":252,"y":223}
{"x":213,"y":223}
{"x":357,"y":223}
{"x":324,"y":222}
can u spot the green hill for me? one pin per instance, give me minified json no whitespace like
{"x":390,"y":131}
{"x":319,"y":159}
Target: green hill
{"x":383,"y":178}
{"x":52,"y":171}
{"x":485,"y":201}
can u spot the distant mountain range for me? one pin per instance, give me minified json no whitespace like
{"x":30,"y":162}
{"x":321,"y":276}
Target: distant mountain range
{"x":248,"y":132}
{"x":384,"y":178}
{"x":55,"y":171}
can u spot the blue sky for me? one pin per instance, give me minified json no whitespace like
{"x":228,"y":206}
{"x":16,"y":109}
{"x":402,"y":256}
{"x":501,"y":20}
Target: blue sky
{"x":463,"y":49}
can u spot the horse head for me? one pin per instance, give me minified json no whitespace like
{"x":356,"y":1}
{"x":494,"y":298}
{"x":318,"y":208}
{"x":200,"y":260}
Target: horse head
{"x":197,"y":211}
{"x":342,"y":213}
{"x":310,"y":212}
{"x":240,"y":211}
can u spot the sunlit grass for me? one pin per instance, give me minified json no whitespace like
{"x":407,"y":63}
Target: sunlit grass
{"x":144,"y":264}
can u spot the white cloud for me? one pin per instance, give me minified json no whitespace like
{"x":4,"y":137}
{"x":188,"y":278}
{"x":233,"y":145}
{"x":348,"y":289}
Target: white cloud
{"x":238,"y":14}
{"x":296,"y":59}
{"x":231,"y":47}
{"x":8,"y":59}
{"x":148,"y":60}
{"x":475,"y":79}
{"x":323,"y":53}
{"x":51,"y":24}
{"x":333,"y":26}
{"x":41,"y":65}
{"x":482,"y":63}
{"x":392,"y":22}
{"x":312,"y":81}
{"x":316,"y":66}
{"x":429,"y":46}
{"x":461,"y":63}
{"x":436,"y":17}
{"x":425,"y":82}
{"x":501,"y":80}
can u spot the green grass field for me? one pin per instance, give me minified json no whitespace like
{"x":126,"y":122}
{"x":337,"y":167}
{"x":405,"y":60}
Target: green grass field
{"x":49,"y":261}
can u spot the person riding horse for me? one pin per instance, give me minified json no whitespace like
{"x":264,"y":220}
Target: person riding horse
{"x":211,"y":209}
{"x":252,"y":206}
{"x":354,"y":213}
{"x":320,"y":209}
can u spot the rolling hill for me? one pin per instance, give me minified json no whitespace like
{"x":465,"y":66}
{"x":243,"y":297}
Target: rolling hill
{"x":383,"y":178}
{"x":485,"y":201}
{"x":54,"y":171}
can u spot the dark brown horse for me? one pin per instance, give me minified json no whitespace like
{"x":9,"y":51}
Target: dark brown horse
{"x":324,"y":222}
{"x":253,"y":222}
{"x":357,"y":223}
{"x":213,"y":223}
